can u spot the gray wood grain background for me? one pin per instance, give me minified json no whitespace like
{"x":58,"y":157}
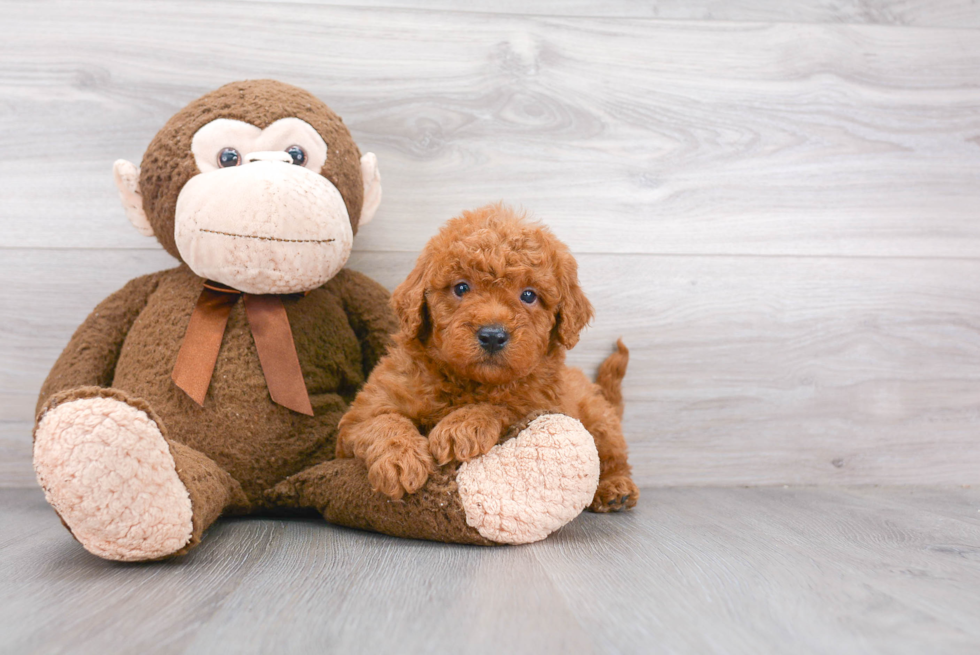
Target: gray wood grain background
{"x":775,"y":204}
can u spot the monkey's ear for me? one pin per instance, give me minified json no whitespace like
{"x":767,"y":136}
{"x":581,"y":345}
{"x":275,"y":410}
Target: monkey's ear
{"x":372,"y":188}
{"x":127,"y":176}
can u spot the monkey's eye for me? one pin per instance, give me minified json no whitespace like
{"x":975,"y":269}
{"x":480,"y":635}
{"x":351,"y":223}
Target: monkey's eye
{"x":460,"y":288}
{"x":298,"y":155}
{"x":528,"y":297}
{"x":229,"y":157}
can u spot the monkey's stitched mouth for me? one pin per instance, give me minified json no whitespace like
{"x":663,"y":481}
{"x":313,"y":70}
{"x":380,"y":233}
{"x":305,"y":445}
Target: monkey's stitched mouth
{"x":261,"y":238}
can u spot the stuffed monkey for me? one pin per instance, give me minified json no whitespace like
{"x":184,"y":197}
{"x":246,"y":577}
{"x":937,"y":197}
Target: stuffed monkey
{"x":215,"y":388}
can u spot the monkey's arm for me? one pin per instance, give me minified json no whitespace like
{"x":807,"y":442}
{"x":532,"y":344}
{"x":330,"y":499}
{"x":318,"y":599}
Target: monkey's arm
{"x":369,"y":314}
{"x":89,"y":359}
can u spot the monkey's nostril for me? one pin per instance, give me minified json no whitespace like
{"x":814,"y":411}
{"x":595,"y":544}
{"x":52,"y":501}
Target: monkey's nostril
{"x":492,"y":338}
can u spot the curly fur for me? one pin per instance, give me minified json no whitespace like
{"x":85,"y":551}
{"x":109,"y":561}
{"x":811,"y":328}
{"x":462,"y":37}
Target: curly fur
{"x":438,"y":397}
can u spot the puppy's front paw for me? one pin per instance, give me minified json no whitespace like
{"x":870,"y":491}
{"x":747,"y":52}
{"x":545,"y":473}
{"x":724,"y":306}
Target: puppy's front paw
{"x":614,"y":494}
{"x":465,"y":434}
{"x":401,"y":468}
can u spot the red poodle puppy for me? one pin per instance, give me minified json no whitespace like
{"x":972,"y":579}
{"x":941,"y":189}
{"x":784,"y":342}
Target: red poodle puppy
{"x":486,"y":317}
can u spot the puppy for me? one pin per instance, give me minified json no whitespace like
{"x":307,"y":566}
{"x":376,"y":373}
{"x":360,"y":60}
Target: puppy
{"x":486,"y":317}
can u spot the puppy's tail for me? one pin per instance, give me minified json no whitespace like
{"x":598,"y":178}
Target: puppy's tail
{"x":611,"y":374}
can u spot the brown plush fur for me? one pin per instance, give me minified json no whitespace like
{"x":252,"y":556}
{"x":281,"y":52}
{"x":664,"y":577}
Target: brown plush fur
{"x":439,"y":397}
{"x":340,"y":491}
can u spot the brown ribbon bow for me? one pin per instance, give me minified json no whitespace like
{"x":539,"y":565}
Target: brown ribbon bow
{"x":273,"y":341}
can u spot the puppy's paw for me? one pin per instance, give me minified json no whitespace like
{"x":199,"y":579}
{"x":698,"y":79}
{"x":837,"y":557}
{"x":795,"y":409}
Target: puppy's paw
{"x":614,"y":494}
{"x":465,"y":434}
{"x":402,"y":468}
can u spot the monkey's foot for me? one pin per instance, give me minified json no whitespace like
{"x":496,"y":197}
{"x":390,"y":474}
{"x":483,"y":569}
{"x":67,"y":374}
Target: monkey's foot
{"x":107,"y":470}
{"x":526,"y":488}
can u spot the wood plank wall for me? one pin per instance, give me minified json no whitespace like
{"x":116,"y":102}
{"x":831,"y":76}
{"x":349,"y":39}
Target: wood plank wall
{"x":775,"y":203}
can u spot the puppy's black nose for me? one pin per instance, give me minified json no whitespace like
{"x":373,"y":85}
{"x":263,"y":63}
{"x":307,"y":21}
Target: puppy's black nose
{"x":492,"y":338}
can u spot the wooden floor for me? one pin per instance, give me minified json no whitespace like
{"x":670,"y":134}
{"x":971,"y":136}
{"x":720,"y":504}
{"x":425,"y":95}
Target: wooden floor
{"x":692,"y":570}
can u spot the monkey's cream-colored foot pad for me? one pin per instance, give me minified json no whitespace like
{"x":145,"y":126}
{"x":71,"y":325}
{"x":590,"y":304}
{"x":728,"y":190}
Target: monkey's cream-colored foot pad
{"x":108,"y":472}
{"x":526,"y":488}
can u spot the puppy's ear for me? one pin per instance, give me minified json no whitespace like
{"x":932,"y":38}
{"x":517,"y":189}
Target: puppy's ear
{"x":408,"y":301}
{"x":574,"y":310}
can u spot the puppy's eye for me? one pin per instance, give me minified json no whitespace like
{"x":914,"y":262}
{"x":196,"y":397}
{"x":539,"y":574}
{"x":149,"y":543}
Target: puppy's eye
{"x":228,"y":157}
{"x":528,"y":297}
{"x":460,"y":288}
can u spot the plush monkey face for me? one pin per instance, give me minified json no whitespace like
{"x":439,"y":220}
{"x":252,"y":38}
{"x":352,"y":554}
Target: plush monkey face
{"x":257,"y":185}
